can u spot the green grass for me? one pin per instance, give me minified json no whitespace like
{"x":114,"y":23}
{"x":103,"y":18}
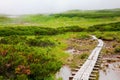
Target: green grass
{"x":108,"y":35}
{"x":111,"y":42}
{"x":17,"y":50}
{"x":65,"y":21}
{"x":70,"y":18}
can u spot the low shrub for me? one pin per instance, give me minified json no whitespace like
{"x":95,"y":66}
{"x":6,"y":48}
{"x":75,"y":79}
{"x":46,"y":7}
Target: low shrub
{"x":40,"y":43}
{"x":13,"y":39}
{"x":105,"y":27}
{"x":117,"y":49}
{"x":27,"y":64}
{"x":84,"y":56}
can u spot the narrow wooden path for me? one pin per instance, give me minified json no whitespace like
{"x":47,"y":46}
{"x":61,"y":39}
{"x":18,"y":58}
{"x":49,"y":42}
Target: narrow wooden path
{"x":85,"y":71}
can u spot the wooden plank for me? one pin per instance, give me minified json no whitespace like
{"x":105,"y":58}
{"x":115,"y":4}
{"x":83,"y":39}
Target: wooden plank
{"x":86,"y":69}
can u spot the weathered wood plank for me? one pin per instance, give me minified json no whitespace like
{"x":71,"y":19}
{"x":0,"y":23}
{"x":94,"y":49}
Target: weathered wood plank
{"x":86,"y":69}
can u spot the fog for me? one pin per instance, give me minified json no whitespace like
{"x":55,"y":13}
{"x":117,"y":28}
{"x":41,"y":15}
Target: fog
{"x":17,"y":7}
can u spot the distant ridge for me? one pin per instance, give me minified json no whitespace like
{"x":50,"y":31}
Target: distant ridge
{"x":102,"y":10}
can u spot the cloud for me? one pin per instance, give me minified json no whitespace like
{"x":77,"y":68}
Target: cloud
{"x":50,"y":6}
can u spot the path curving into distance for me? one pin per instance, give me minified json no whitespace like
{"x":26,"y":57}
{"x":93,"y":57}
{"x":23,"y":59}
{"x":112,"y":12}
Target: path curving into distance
{"x":86,"y":69}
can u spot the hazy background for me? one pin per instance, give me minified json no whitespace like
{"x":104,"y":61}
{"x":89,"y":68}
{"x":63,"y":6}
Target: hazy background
{"x":17,"y":7}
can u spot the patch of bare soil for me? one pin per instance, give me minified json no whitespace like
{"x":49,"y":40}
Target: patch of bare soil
{"x":109,"y":48}
{"x":109,"y":53}
{"x":81,"y":45}
{"x":80,"y":49}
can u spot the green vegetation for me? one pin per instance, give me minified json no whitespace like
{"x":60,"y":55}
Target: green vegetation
{"x":84,"y":56}
{"x":117,"y":49}
{"x":82,"y":19}
{"x":32,"y":47}
{"x":79,"y":44}
{"x":108,"y":35}
{"x":105,"y":27}
{"x":112,"y":42}
{"x":78,"y":59}
{"x":19,"y":61}
{"x":34,"y":30}
{"x":90,"y":14}
{"x":3,"y":18}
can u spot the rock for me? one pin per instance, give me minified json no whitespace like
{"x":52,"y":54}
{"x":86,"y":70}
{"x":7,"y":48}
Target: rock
{"x":118,"y":57}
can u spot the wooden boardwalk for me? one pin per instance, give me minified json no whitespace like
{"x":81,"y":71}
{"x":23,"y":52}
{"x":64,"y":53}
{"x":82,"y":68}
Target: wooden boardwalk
{"x":85,"y":71}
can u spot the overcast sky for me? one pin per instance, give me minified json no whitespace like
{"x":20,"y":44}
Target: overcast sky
{"x":51,"y":6}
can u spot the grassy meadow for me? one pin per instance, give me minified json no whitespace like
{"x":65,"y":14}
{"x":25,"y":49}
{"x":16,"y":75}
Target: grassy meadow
{"x":33,"y":47}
